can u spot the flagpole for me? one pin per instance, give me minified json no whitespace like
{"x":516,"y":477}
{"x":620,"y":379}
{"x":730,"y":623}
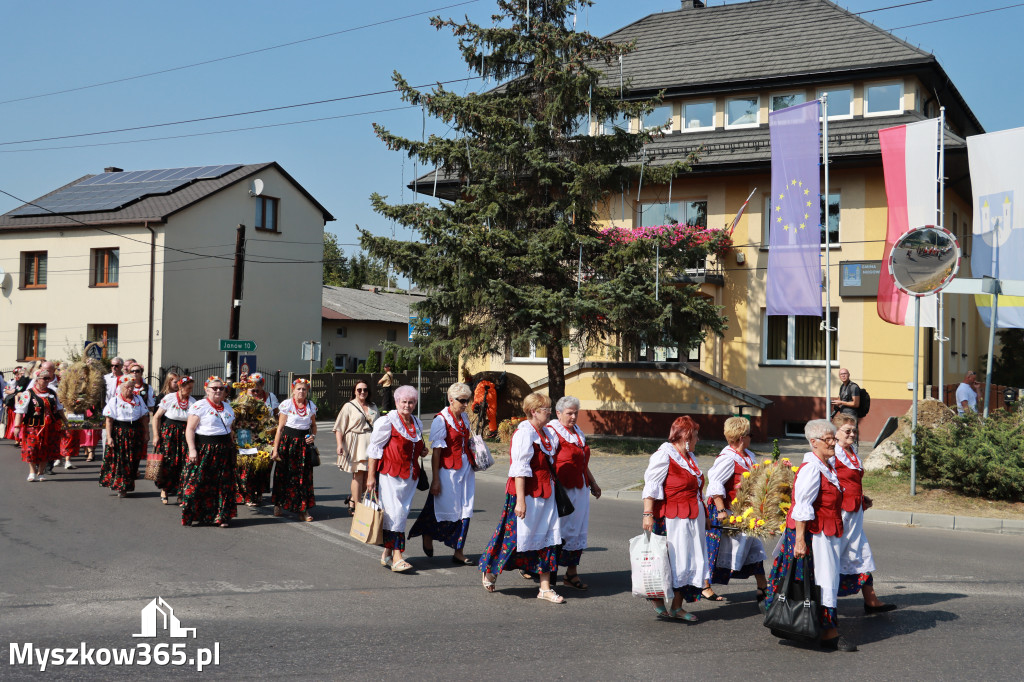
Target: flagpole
{"x":913,"y":409}
{"x":827,"y":323}
{"x":942,"y":222}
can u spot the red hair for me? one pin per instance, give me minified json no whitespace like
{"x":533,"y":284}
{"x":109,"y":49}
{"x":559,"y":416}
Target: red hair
{"x":682,"y":425}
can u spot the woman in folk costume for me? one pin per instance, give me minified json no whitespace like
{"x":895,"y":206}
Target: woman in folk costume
{"x":21,"y":381}
{"x":572,"y":466}
{"x":814,"y":529}
{"x":208,"y":478}
{"x":673,"y":507}
{"x":38,"y":420}
{"x":732,"y":556}
{"x":393,"y":468}
{"x":294,"y":453}
{"x":528,"y":533}
{"x":260,"y":393}
{"x":127,"y":422}
{"x":855,"y":559}
{"x":169,"y":435}
{"x":449,"y":505}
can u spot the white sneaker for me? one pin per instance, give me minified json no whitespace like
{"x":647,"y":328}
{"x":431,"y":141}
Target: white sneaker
{"x":41,"y":478}
{"x":31,"y":477}
{"x":70,"y":466}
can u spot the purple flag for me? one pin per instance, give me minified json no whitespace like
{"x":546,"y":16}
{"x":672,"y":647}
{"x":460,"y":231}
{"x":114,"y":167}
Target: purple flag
{"x":794,"y":256}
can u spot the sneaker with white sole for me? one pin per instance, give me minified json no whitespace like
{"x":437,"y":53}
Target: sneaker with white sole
{"x":70,"y":466}
{"x":31,"y":478}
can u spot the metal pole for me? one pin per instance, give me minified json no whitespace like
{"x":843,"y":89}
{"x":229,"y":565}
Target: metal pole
{"x":828,"y":279}
{"x":419,"y":383}
{"x":942,"y":222}
{"x":913,"y":409}
{"x":991,"y":345}
{"x":236,"y":299}
{"x":657,"y":271}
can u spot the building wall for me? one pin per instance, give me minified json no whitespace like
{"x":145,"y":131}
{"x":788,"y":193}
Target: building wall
{"x":361,"y":336}
{"x":69,"y":304}
{"x":280,"y":300}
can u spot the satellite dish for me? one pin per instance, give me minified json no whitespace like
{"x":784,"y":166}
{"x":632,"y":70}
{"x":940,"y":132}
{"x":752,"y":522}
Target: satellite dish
{"x":3,"y":282}
{"x":257,"y":188}
{"x":924,"y":260}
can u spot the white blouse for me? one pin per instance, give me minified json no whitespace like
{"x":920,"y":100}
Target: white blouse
{"x":657,"y":471}
{"x":21,"y":406}
{"x":271,"y":401}
{"x":845,"y":459}
{"x":439,"y":427}
{"x":522,"y":449}
{"x":382,"y":433}
{"x":169,"y":403}
{"x":723,"y":469}
{"x":807,"y":486}
{"x":212,"y":422}
{"x":119,"y":410}
{"x":296,"y":420}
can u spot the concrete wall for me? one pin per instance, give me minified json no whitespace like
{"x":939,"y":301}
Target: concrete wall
{"x":280,"y":302}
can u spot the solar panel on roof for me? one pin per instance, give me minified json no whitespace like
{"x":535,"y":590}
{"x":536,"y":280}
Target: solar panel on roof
{"x":110,"y":191}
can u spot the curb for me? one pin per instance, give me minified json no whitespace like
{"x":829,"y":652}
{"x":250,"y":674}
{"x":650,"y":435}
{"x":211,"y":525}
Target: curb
{"x":946,"y":522}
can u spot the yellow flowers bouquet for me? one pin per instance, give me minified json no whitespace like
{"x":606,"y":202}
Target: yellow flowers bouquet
{"x":764,"y":496}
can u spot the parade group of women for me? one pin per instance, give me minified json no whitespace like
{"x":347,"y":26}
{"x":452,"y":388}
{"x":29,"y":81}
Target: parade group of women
{"x":195,"y":440}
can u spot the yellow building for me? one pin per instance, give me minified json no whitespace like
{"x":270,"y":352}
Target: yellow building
{"x":722,"y":70}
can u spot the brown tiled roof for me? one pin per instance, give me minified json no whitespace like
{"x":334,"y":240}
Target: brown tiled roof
{"x":154,"y":209}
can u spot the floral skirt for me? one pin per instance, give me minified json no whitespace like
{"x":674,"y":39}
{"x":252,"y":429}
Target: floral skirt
{"x":117,"y":471}
{"x":394,"y":539}
{"x":173,"y":452}
{"x":778,"y":574}
{"x":70,"y":441}
{"x":721,"y":575}
{"x":451,"y":533}
{"x":208,"y":484}
{"x":851,"y":583}
{"x":293,"y":474}
{"x":9,"y":424}
{"x":39,"y":444}
{"x":689,"y":592}
{"x":251,"y":485}
{"x":501,"y":550}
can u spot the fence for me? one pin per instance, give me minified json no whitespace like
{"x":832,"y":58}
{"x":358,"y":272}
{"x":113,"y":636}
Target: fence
{"x":331,"y":391}
{"x":276,"y":381}
{"x":997,"y":396}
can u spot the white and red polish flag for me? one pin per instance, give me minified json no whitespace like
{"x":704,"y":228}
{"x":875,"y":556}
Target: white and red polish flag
{"x":910,"y":161}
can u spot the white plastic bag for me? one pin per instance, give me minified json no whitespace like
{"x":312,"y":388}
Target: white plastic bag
{"x":482,"y":458}
{"x":651,"y":569}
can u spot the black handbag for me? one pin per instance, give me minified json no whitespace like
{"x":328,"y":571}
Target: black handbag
{"x":795,"y":612}
{"x":562,"y":501}
{"x":422,"y":482}
{"x":315,"y":453}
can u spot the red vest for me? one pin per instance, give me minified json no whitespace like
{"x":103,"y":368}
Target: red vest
{"x":538,"y":485}
{"x":398,"y":454}
{"x":451,"y":456}
{"x":732,"y":484}
{"x":828,"y":518}
{"x":571,"y":462}
{"x":682,"y":494}
{"x":850,"y":479}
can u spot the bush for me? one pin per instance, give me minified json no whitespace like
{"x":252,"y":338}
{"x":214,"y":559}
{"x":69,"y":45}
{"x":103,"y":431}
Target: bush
{"x":983,"y":458}
{"x":328,"y":367}
{"x":361,"y":368}
{"x":373,"y":362}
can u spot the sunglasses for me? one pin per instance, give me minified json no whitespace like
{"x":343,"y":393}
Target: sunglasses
{"x":136,"y":371}
{"x":216,"y":388}
{"x":116,"y":366}
{"x":464,"y":401}
{"x":362,"y":390}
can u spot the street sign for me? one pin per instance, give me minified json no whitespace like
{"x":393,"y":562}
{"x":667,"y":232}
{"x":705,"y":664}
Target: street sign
{"x":311,"y":351}
{"x":246,"y":365}
{"x":235,"y":345}
{"x":415,"y":321}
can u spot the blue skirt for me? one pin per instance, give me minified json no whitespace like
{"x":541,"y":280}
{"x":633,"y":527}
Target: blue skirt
{"x":501,"y":550}
{"x":451,"y":533}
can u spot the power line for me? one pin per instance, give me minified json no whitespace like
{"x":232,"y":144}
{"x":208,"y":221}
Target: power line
{"x":236,"y":56}
{"x":959,"y":16}
{"x":881,"y":9}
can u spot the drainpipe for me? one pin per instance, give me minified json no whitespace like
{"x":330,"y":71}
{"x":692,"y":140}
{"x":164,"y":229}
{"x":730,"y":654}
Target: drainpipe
{"x":152,"y":295}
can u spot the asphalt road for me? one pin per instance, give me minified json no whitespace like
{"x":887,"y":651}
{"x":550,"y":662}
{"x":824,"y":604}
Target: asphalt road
{"x":283,"y":599}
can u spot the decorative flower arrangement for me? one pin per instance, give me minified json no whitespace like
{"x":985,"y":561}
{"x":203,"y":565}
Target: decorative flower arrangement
{"x":764,"y":496}
{"x":255,"y":424}
{"x":717,"y":242}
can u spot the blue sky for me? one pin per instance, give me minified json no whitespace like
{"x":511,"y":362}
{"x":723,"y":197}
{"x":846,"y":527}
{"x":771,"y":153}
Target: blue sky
{"x":56,"y":46}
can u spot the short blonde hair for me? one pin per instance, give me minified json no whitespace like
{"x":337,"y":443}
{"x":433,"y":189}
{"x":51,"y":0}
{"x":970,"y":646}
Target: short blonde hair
{"x":736,"y":428}
{"x":533,"y":402}
{"x":841,"y":420}
{"x":457,"y":390}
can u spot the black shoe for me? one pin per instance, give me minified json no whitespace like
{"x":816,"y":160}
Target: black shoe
{"x":49,"y":470}
{"x":837,"y":644}
{"x":879,"y":609}
{"x":428,"y":549}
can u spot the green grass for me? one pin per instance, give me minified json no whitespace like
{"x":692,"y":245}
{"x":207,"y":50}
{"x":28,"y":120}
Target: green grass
{"x":620,"y":445}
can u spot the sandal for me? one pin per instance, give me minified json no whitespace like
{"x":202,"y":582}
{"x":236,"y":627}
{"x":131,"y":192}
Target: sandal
{"x":680,"y":614}
{"x":306,"y":516}
{"x":551,"y":596}
{"x":489,"y":584}
{"x":385,"y":560}
{"x":163,"y":497}
{"x":712,"y":597}
{"x":351,"y":505}
{"x":401,"y":566}
{"x":526,"y":576}
{"x":575,"y":583}
{"x":661,"y":612}
{"x":278,"y":511}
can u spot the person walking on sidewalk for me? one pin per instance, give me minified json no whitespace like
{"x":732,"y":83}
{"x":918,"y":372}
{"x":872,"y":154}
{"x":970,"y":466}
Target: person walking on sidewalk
{"x":127,"y":429}
{"x":849,"y":395}
{"x":352,"y":431}
{"x":294,"y":452}
{"x":387,"y":392}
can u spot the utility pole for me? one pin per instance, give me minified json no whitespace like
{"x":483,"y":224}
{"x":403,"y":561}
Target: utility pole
{"x":236,"y":301}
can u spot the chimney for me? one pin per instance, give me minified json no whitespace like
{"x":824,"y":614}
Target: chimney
{"x":113,"y":169}
{"x":691,"y":4}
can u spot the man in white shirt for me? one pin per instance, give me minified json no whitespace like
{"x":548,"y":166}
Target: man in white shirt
{"x":116,"y":370}
{"x":966,"y":397}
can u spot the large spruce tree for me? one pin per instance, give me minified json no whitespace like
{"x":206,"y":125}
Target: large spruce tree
{"x":500,"y":263}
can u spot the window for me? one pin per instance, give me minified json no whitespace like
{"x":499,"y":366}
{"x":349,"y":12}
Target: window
{"x":840,"y":102}
{"x":742,"y":112}
{"x":266,"y":213}
{"x":699,"y":116}
{"x":392,"y":335}
{"x":342,"y":332}
{"x":678,"y":212}
{"x":33,"y":341}
{"x":619,"y":121}
{"x":341,"y":362}
{"x":106,"y":336}
{"x":529,"y":350}
{"x":105,"y":266}
{"x":952,"y":336}
{"x":33,"y":268}
{"x":789,"y":99}
{"x":662,"y":118}
{"x":882,"y":98}
{"x":956,"y":229}
{"x":797,"y":339}
{"x":965,"y":245}
{"x":833,"y":220}
{"x":963,"y":339}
